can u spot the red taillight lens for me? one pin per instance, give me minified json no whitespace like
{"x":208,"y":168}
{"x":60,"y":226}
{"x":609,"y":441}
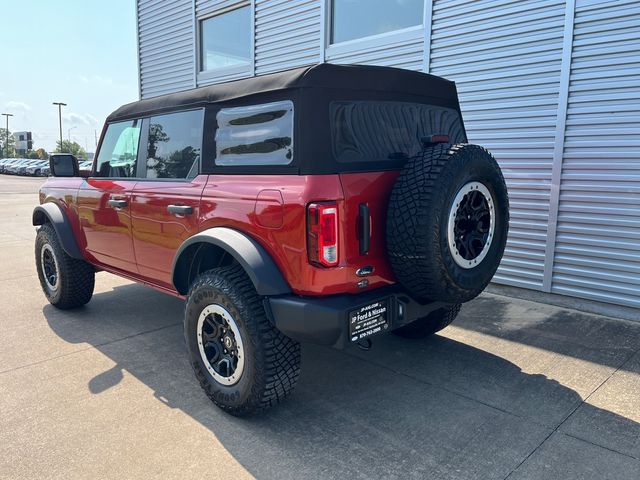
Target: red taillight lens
{"x":322,"y":233}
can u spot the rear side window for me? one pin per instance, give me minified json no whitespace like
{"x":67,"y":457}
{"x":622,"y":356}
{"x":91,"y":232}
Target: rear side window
{"x":255,"y":135}
{"x":119,"y":150}
{"x":366,"y":131}
{"x":173,"y":149}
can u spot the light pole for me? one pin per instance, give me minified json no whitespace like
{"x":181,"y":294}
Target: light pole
{"x":6,"y":145}
{"x":60,"y":105}
{"x":69,"y":133}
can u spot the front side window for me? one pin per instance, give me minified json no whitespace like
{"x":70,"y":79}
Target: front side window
{"x":225,"y":40}
{"x":255,"y":134}
{"x":119,"y":150}
{"x":351,"y":19}
{"x":173,"y":149}
{"x":369,"y":131}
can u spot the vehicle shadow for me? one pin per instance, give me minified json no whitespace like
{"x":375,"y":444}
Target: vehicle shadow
{"x":355,"y":414}
{"x":593,"y":338}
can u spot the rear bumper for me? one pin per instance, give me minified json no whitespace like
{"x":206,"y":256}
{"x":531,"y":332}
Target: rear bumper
{"x":326,"y":320}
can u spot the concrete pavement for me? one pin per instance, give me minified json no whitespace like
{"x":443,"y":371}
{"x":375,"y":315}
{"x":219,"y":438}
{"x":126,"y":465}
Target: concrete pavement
{"x":513,"y":389}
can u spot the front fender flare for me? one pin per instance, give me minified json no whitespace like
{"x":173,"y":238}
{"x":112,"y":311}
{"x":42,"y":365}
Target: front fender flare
{"x":52,"y":213}
{"x":260,"y":267}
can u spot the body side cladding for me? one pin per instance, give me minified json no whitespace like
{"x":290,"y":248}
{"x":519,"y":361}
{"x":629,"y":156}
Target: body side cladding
{"x":52,"y":213}
{"x":260,"y":267}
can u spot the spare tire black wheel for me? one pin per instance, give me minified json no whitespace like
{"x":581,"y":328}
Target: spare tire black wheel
{"x":447,"y":223}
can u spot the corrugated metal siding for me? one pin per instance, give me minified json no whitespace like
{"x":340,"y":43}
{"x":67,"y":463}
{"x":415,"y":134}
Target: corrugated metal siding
{"x":166,"y":48}
{"x":407,"y":53}
{"x":597,"y":251}
{"x":505,"y":58}
{"x":205,"y":7}
{"x":515,"y":64}
{"x":202,"y":81}
{"x":287,"y":34}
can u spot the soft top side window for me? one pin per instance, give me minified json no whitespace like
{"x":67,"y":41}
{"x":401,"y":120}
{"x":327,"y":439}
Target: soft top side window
{"x":174,"y":145}
{"x":119,"y":150}
{"x":255,"y":134}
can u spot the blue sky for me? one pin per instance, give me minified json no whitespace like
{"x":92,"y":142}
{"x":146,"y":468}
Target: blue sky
{"x":82,"y":53}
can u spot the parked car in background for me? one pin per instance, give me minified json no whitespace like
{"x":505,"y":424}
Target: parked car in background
{"x":85,"y":166}
{"x":25,"y":166}
{"x":5,"y":163}
{"x":22,"y":170}
{"x":14,"y":167}
{"x":35,"y":169}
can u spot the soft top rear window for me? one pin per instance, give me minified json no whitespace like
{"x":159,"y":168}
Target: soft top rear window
{"x":369,"y":131}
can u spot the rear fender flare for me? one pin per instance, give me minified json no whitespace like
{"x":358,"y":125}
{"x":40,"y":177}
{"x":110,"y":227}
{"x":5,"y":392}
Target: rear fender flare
{"x":254,"y":259}
{"x":53,"y":214}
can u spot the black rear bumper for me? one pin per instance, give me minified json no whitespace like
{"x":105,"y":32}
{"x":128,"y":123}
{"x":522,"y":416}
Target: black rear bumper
{"x":325,"y":320}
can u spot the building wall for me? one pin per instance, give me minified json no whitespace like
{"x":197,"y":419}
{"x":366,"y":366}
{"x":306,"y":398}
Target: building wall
{"x":23,"y":142}
{"x":552,"y":88}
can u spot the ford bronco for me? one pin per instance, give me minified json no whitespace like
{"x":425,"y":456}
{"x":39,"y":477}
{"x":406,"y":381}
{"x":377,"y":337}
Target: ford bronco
{"x":324,"y":204}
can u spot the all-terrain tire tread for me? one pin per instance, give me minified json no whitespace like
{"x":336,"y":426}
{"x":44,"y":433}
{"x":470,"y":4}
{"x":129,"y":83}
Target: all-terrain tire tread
{"x":77,"y":277}
{"x":410,"y":212}
{"x":276,"y":356}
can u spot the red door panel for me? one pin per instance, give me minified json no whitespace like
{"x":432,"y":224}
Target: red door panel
{"x":372,"y":189}
{"x":158,"y":232}
{"x":104,"y":210}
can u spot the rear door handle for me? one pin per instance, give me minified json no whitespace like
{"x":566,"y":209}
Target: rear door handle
{"x":113,"y":203}
{"x":180,"y":209}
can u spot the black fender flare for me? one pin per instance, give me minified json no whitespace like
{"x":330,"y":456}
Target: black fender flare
{"x":52,"y":213}
{"x":260,"y":267}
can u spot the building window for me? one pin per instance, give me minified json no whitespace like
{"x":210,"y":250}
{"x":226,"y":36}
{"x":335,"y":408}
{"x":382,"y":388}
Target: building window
{"x":352,"y":19}
{"x":225,"y":40}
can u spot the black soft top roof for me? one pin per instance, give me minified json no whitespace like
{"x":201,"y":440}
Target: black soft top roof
{"x":322,"y":76}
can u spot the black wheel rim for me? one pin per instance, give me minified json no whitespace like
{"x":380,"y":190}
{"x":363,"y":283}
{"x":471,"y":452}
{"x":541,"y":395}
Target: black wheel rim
{"x":220,"y":344}
{"x":49,"y":267}
{"x":471,"y":225}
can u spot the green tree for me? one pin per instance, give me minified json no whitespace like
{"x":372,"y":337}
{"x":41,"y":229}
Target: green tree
{"x":73,"y":148}
{"x":42,"y":154}
{"x":33,"y":154}
{"x":11,"y":151}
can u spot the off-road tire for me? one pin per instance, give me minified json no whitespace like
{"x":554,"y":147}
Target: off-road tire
{"x":272,"y":360}
{"x":432,"y":323}
{"x":76,"y":278}
{"x":418,"y":215}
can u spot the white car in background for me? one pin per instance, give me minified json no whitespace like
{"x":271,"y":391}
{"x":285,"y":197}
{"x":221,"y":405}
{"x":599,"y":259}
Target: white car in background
{"x":36,"y":168}
{"x":85,"y":166}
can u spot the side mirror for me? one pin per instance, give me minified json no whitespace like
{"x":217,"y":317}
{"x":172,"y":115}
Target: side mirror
{"x":64,"y":165}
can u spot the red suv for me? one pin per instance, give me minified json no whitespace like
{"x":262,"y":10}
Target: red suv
{"x":325,"y":204}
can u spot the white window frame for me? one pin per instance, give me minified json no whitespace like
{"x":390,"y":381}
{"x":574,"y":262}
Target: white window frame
{"x":235,"y":71}
{"x":363,"y":44}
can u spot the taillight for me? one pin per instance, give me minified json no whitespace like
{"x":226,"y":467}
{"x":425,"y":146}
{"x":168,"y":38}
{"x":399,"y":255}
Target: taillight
{"x":322,"y":233}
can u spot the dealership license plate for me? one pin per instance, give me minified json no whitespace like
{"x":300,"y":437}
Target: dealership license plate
{"x":369,"y":319}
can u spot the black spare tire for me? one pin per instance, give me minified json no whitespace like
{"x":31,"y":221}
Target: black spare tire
{"x":447,"y":222}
